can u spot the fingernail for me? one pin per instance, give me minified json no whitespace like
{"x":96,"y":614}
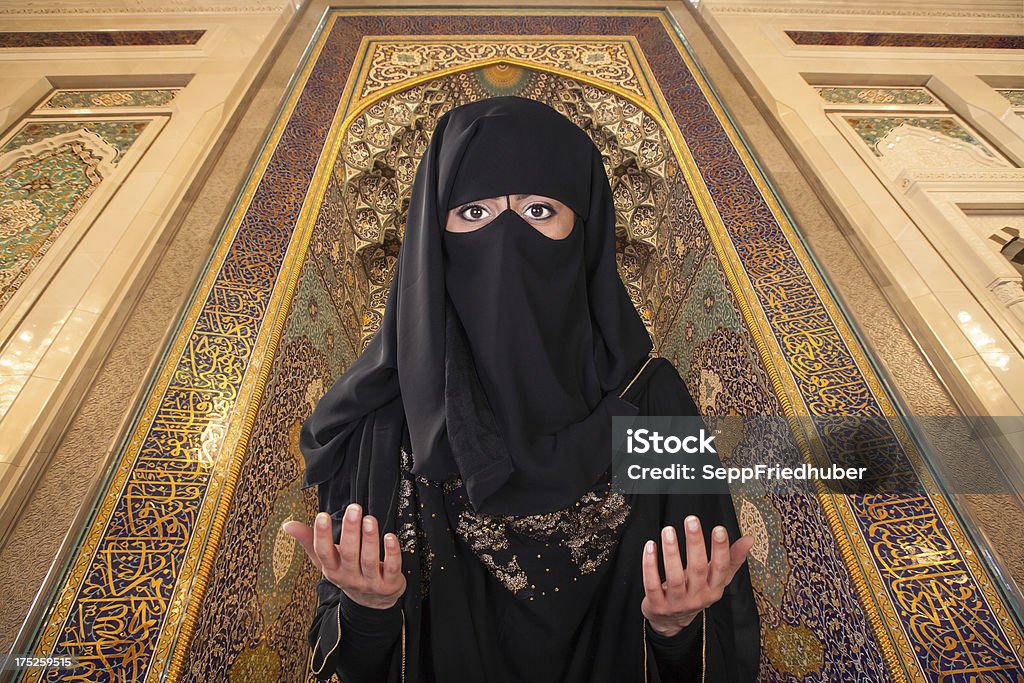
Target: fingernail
{"x":691,"y":523}
{"x":670,"y":535}
{"x":367,"y":524}
{"x":649,"y":548}
{"x":720,"y":534}
{"x":353,"y":512}
{"x":322,"y":519}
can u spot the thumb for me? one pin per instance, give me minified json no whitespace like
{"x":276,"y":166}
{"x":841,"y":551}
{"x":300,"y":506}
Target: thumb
{"x":304,"y":535}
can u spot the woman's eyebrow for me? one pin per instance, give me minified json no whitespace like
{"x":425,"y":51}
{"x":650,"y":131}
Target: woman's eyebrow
{"x":481,"y":201}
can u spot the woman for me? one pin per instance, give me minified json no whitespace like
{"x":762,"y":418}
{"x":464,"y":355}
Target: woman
{"x":472,"y":440}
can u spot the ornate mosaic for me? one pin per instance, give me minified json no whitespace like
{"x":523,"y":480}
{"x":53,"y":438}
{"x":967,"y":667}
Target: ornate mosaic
{"x":117,"y":134}
{"x":872,"y":129}
{"x":1015,"y":95}
{"x":183,"y":575}
{"x":936,"y":40}
{"x":97,"y":38}
{"x":48,"y":171}
{"x":90,"y":99}
{"x":393,"y":63}
{"x":795,"y":651}
{"x":868,"y":95}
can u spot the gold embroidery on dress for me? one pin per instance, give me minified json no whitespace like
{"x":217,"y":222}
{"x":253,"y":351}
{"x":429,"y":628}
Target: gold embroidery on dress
{"x":407,"y":527}
{"x":486,"y":534}
{"x":589,"y":530}
{"x":411,"y":536}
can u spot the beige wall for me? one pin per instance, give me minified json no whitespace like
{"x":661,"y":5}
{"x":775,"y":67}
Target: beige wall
{"x":917,"y":212}
{"x":55,"y":330}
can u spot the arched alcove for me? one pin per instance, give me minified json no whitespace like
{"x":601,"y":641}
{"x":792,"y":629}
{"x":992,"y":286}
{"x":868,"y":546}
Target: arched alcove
{"x":674,"y":277}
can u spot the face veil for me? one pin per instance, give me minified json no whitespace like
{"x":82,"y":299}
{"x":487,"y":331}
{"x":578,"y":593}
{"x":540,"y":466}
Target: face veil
{"x":505,"y":349}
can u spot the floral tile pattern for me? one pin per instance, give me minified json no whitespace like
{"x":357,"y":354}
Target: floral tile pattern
{"x":43,"y":189}
{"x":119,"y":134}
{"x":874,"y":127}
{"x":1015,"y":95}
{"x":874,"y":95}
{"x":87,"y":99}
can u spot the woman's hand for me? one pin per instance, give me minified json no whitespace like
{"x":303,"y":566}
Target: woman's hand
{"x":671,"y":605}
{"x":354,"y":565}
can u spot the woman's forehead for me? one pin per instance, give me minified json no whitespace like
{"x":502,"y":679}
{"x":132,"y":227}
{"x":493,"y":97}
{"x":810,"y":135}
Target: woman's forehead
{"x":500,"y":199}
{"x":510,"y":151}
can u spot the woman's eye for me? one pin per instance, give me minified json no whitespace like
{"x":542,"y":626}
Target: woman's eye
{"x":539,"y":211}
{"x":473,"y":212}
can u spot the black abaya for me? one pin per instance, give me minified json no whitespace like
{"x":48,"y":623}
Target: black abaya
{"x":477,"y":427}
{"x":459,"y":621}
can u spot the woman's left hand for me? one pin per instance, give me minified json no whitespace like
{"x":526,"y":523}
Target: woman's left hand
{"x":671,"y":605}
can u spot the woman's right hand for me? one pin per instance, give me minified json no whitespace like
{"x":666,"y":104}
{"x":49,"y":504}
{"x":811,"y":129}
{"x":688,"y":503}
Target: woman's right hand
{"x":353,"y":564}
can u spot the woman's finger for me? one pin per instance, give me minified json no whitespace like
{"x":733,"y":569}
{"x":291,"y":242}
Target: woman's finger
{"x":721,"y":572}
{"x":675,"y":578}
{"x":392,"y":558}
{"x":350,"y":542}
{"x":696,"y":552}
{"x":369,"y":556}
{"x":323,"y":542}
{"x":652,"y":580}
{"x":738,"y":552}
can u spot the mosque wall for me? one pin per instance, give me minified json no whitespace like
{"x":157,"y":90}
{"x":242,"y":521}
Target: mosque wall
{"x":915,"y":141}
{"x":182,"y":72}
{"x":108,"y":112}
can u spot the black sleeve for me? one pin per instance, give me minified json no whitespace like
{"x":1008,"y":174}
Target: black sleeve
{"x":732,"y":635}
{"x":357,"y":642}
{"x":354,"y":641}
{"x":667,"y":393}
{"x":680,"y":657}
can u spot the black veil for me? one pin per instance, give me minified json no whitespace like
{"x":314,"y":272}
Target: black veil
{"x":423,"y":362}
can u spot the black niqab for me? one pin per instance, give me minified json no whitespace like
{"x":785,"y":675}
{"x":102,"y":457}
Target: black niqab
{"x":507,"y":348}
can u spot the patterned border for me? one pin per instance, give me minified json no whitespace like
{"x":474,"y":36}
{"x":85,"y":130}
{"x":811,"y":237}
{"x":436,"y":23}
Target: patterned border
{"x":191,"y":435}
{"x":939,"y":40}
{"x":102,"y":98}
{"x":1014,"y":95}
{"x":98,"y":38}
